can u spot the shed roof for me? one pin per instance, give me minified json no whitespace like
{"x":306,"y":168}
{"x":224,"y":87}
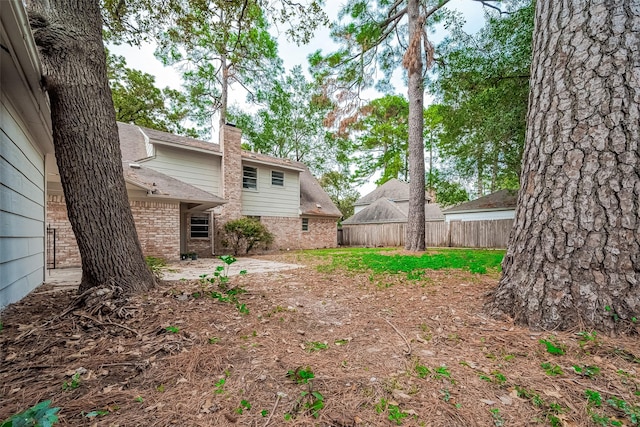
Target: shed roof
{"x":498,"y":201}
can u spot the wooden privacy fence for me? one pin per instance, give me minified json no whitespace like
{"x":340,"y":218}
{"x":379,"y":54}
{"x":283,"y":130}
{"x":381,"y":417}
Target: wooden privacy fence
{"x":463,"y":234}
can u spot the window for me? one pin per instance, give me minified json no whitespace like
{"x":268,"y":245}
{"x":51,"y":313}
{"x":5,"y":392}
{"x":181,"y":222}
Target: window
{"x":305,"y":224}
{"x":277,"y":178}
{"x":249,"y":178}
{"x":199,"y":227}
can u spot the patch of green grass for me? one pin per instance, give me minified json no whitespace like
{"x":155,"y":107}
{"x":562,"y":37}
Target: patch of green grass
{"x":378,"y":261}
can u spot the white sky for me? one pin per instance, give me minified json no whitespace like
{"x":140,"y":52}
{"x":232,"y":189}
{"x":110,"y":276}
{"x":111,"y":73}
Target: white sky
{"x":142,"y":58}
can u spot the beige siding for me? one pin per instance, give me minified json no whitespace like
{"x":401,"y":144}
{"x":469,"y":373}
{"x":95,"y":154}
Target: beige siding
{"x":22,"y":210}
{"x":269,"y":200}
{"x":199,"y":169}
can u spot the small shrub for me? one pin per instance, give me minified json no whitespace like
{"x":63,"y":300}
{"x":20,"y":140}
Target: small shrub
{"x":245,"y":234}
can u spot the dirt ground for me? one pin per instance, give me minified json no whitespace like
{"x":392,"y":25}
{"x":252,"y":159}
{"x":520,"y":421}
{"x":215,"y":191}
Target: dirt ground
{"x":382,"y":351}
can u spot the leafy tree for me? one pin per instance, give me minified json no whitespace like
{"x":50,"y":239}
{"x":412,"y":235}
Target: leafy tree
{"x":69,"y":39}
{"x":482,"y":84}
{"x":448,"y":192}
{"x":290,"y":125}
{"x":380,"y":134}
{"x":137,"y":100}
{"x":572,"y":259}
{"x":339,"y":187}
{"x":377,"y":37}
{"x":219,"y":43}
{"x":245,"y":233}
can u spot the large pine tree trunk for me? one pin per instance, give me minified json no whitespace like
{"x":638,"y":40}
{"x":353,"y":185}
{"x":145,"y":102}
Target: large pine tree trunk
{"x":574,"y":254}
{"x":69,"y":36}
{"x":415,"y":234}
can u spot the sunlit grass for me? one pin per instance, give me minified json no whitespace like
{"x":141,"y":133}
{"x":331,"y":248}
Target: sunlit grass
{"x":383,"y":260}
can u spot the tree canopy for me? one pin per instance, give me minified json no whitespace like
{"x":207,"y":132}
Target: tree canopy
{"x":481,"y":82}
{"x":137,"y":100}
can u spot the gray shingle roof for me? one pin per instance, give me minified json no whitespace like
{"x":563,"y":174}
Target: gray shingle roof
{"x":164,"y":186}
{"x":394,"y":190}
{"x":499,"y":201}
{"x":184,"y":141}
{"x":381,"y":211}
{"x":313,"y":199}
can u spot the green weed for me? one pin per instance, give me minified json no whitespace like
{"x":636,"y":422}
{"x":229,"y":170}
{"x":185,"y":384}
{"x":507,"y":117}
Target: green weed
{"x":551,"y":370}
{"x":244,"y":405}
{"x":301,"y":375}
{"x":396,"y":414}
{"x":593,"y":398}
{"x":553,"y":346}
{"x":219,"y":386}
{"x":498,"y":421}
{"x":586,"y":370}
{"x":312,"y":346}
{"x":39,"y":415}
{"x":587,"y":338}
{"x":631,"y":411}
{"x":73,"y":384}
{"x":172,"y":329}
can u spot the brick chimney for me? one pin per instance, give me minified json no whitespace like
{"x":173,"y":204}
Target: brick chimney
{"x":230,"y":145}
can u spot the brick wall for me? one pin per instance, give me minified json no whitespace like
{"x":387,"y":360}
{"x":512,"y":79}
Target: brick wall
{"x":158,"y":227}
{"x":67,"y":254}
{"x":323,"y":233}
{"x":288,"y":233}
{"x":157,"y":224}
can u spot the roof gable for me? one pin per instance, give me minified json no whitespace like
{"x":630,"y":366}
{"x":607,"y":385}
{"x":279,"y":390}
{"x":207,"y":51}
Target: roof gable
{"x":313,"y":199}
{"x":394,"y":190}
{"x":381,"y":211}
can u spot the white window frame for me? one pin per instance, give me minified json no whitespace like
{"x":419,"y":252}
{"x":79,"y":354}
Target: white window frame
{"x":305,"y":224}
{"x":248,"y":180}
{"x":277,"y":179}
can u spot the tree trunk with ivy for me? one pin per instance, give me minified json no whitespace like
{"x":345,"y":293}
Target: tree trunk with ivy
{"x":68,"y":34}
{"x":574,"y":254}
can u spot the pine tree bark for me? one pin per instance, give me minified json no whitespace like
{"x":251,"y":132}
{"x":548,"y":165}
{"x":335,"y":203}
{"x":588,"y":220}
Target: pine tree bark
{"x":574,"y":253}
{"x":69,"y":37}
{"x":415,"y":233}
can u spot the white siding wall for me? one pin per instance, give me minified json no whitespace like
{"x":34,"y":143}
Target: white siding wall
{"x":270,"y":200}
{"x":479,"y":216}
{"x":22,"y":210}
{"x":201,"y":170}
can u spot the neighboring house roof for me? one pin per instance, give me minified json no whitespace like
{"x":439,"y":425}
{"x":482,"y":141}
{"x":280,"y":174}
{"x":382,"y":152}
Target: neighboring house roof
{"x":313,"y":199}
{"x":161,"y":186}
{"x":502,"y":200}
{"x":381,"y":211}
{"x":394,"y":190}
{"x":432,"y":212}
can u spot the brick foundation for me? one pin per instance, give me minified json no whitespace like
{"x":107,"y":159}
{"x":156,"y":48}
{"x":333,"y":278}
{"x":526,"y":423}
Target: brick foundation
{"x":157,"y":224}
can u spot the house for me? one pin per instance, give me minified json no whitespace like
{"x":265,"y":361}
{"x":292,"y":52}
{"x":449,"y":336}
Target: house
{"x":495,"y":206}
{"x":26,"y":142}
{"x":381,"y":216}
{"x":182,"y":191}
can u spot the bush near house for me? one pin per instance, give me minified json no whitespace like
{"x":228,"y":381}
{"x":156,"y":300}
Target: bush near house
{"x":245,"y":234}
